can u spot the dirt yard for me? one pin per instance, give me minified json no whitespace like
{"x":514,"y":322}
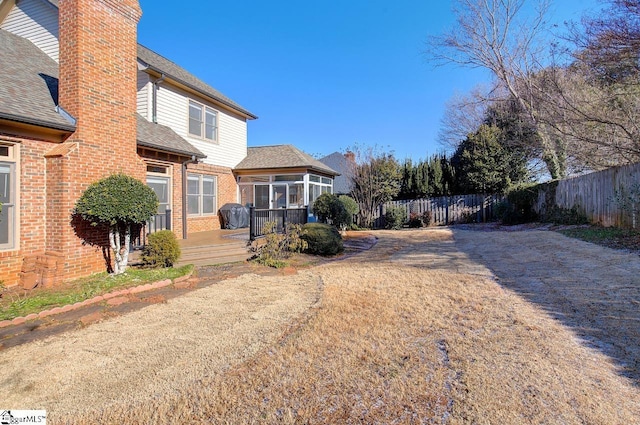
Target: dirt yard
{"x":429,"y":326}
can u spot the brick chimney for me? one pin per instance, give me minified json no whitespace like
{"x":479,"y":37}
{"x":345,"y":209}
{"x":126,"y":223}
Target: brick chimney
{"x":98,"y":50}
{"x":97,"y":85}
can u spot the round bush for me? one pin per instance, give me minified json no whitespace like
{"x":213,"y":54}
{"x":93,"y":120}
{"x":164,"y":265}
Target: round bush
{"x":322,"y":239}
{"x":162,"y":249}
{"x":329,"y":209}
{"x":395,"y":217}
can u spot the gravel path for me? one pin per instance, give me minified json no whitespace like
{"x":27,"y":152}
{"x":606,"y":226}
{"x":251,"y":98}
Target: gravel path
{"x":593,"y":289}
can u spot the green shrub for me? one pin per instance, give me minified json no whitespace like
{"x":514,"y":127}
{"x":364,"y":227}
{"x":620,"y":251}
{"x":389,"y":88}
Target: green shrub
{"x":277,"y":247}
{"x":118,"y":204}
{"x":351,"y":207}
{"x":395,"y":217}
{"x":559,"y":215}
{"x":322,"y":239}
{"x":518,"y":208}
{"x":162,"y":249}
{"x":329,"y":209}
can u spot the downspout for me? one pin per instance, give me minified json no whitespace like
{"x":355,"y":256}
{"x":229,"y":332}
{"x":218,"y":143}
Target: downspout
{"x":154,"y":99}
{"x":193,"y":160}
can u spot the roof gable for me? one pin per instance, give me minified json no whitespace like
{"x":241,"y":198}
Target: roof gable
{"x":162,"y":65}
{"x":281,"y":156}
{"x":340,"y":163}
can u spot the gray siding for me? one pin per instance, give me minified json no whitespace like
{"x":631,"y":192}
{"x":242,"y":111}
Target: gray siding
{"x":37,"y":21}
{"x":231,"y":148}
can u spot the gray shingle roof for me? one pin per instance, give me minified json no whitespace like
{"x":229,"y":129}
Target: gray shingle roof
{"x":29,"y":94}
{"x":281,"y":156}
{"x":29,"y":84}
{"x":175,"y":72}
{"x":163,"y":138}
{"x":338,"y":162}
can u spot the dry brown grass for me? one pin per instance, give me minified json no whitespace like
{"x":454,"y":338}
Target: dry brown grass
{"x":395,"y":343}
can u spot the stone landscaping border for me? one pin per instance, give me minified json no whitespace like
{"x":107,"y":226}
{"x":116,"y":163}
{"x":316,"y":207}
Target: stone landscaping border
{"x":98,"y":298}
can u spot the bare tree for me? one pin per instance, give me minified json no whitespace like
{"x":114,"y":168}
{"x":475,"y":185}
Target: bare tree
{"x":593,"y":101}
{"x":599,"y":123}
{"x":375,"y":180}
{"x":493,"y":34}
{"x":463,"y":115}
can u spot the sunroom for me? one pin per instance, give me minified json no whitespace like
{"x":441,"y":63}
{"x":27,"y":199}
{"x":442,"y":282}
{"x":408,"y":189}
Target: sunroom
{"x":281,"y":176}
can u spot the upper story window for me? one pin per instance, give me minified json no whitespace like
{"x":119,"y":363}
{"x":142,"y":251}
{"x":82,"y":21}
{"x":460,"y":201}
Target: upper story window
{"x":203,"y":121}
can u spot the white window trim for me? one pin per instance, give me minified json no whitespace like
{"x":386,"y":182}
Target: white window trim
{"x":203,"y":124}
{"x":14,"y":158}
{"x":200,"y":212}
{"x":168,"y":174}
{"x":306,"y":182}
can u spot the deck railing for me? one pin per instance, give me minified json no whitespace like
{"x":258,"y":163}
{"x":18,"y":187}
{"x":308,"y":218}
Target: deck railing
{"x":154,"y":224}
{"x":283,"y":217}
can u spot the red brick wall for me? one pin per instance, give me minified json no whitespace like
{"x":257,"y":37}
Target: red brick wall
{"x":227,"y":192}
{"x":97,"y":86}
{"x":32,"y":207}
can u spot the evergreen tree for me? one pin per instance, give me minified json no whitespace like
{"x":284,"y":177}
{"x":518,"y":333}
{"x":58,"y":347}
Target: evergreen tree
{"x":485,"y":165}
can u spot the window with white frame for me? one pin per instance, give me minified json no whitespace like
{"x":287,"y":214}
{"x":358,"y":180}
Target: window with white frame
{"x":8,"y":197}
{"x":159,"y":179}
{"x":317,"y":186}
{"x":203,"y":121}
{"x":201,"y":194}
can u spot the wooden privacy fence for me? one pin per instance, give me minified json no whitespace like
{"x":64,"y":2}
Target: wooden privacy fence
{"x":446,"y":209}
{"x":593,"y":195}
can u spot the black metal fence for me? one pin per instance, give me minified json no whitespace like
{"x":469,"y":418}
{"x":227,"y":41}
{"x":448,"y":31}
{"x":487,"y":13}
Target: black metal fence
{"x":154,"y":224}
{"x":281,"y":216}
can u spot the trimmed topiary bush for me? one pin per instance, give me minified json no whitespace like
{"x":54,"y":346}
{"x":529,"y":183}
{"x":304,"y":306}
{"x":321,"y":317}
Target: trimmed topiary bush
{"x":162,"y":249}
{"x":118,"y":203}
{"x":322,"y":239}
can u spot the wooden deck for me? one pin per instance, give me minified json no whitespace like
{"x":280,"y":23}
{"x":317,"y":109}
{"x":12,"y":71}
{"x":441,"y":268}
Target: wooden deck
{"x":214,"y":237}
{"x":215,"y":247}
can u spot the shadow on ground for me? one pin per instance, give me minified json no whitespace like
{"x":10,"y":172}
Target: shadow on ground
{"x":592,"y":289}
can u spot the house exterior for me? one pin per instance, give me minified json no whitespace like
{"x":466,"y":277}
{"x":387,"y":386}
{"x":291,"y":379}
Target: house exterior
{"x":345,"y":165}
{"x":80,"y":100}
{"x":281,"y":176}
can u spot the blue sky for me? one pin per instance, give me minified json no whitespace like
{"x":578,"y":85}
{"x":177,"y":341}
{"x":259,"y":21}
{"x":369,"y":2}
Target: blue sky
{"x":327,"y":75}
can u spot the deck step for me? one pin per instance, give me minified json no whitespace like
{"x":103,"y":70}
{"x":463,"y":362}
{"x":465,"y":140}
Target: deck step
{"x":212,"y":261}
{"x":219,"y":253}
